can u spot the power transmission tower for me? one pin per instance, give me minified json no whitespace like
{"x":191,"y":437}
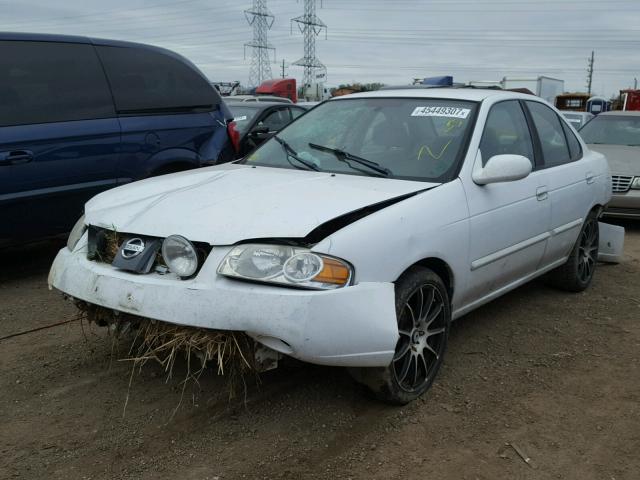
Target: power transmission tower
{"x":590,"y":72}
{"x":261,"y":19}
{"x":310,"y":26}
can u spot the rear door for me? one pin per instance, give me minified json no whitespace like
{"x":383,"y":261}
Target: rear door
{"x":59,"y":137}
{"x":569,"y":178}
{"x":171,"y":116}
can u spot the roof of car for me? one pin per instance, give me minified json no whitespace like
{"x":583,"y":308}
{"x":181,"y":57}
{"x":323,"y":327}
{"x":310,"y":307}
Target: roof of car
{"x":259,"y":105}
{"x":473,"y":94}
{"x":50,"y":37}
{"x":631,"y":113}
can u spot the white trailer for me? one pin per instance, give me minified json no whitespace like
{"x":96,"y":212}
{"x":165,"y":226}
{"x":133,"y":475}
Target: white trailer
{"x":544,"y":87}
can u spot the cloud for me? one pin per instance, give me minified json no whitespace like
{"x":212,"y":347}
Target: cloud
{"x":374,"y":40}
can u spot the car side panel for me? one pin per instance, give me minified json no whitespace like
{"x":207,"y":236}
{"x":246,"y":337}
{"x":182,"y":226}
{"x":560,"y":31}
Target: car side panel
{"x":572,"y":197}
{"x":509,"y":224}
{"x":145,"y":137}
{"x":71,"y":162}
{"x":433,"y":224}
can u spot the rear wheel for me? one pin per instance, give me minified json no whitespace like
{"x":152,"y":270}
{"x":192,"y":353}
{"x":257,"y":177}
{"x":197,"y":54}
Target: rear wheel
{"x":576,"y":274}
{"x":424,"y":317}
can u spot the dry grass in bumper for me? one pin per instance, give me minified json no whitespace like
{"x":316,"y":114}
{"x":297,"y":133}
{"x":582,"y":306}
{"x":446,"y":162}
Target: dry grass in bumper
{"x":162,"y":342}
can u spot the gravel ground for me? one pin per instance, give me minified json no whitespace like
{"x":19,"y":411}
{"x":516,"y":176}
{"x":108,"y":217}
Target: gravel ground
{"x":553,"y":375}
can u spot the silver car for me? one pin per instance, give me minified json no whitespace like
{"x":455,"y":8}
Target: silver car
{"x":617,"y":136}
{"x":577,"y":119}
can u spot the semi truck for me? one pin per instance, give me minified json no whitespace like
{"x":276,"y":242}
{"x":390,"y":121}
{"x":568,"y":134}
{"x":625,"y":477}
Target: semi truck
{"x":279,"y":87}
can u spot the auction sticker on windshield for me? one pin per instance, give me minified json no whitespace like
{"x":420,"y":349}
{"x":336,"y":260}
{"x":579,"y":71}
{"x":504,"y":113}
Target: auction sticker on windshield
{"x":452,"y":112}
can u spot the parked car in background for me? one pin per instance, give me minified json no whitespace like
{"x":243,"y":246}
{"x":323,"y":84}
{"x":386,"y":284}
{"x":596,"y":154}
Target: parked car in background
{"x":577,"y":119}
{"x":355,"y":235}
{"x":258,"y":121}
{"x":79,"y":116}
{"x":308,"y":105}
{"x":256,"y":98}
{"x":616,"y":134}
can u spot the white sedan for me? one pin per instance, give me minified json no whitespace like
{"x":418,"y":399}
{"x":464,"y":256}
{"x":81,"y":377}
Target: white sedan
{"x":357,"y":234}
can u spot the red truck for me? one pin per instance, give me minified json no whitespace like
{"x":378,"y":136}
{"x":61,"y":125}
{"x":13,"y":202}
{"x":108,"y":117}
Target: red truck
{"x":630,"y":99}
{"x":280,"y":87}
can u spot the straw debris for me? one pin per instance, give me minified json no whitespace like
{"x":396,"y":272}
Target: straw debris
{"x":231,"y":352}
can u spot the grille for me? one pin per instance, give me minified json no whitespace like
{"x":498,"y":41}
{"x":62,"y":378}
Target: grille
{"x":620,"y":183}
{"x":104,"y":245}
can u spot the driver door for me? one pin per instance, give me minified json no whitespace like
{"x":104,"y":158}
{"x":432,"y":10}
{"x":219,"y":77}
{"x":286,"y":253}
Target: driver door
{"x":509,"y":221}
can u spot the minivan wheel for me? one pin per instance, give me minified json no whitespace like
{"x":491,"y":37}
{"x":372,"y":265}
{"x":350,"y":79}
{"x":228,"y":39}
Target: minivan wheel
{"x":576,"y":274}
{"x":424,"y":317}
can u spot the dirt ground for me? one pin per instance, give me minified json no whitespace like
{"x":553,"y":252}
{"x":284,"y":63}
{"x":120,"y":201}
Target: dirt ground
{"x":555,"y":375}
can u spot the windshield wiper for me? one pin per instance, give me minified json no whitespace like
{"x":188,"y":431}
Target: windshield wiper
{"x":290,"y":152}
{"x":347,"y":157}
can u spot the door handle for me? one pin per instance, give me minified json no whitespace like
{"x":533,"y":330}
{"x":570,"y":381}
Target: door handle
{"x":15,"y":157}
{"x":541,"y":193}
{"x":590,"y":177}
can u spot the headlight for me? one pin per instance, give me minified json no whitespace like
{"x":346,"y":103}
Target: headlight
{"x":180,"y":255}
{"x":285,"y":265}
{"x":76,"y":233}
{"x":635,"y":184}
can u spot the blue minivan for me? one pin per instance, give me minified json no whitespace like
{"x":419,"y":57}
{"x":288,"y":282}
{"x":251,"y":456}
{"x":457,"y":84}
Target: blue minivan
{"x":80,"y":115}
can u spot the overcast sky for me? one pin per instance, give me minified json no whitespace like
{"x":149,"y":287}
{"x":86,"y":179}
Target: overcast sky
{"x":373,"y":40}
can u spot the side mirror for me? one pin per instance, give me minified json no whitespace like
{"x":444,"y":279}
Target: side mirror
{"x":501,"y":168}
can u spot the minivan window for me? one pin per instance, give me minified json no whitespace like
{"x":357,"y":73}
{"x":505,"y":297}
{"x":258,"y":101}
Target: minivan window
{"x":147,"y":81}
{"x":43,"y":82}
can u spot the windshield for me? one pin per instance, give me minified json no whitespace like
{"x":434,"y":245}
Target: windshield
{"x":410,"y":138}
{"x":612,"y":130}
{"x":242,"y":116}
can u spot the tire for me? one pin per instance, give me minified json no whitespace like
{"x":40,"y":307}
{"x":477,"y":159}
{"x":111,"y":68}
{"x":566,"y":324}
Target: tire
{"x":576,"y":273}
{"x":423,"y":311}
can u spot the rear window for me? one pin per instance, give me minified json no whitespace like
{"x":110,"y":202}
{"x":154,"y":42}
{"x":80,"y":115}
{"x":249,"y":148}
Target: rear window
{"x":612,"y":130}
{"x":147,"y":81}
{"x":243,"y":116}
{"x":43,"y":82}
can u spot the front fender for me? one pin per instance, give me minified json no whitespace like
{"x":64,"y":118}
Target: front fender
{"x":432,"y":224}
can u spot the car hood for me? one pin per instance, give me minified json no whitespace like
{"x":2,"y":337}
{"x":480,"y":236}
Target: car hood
{"x":228,"y":203}
{"x":623,"y":159}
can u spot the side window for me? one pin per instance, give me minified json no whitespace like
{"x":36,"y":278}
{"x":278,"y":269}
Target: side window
{"x":296,"y":112}
{"x":276,"y":119}
{"x":575,"y":150}
{"x":147,"y":81}
{"x":554,"y":145}
{"x":43,"y":82}
{"x":506,"y":132}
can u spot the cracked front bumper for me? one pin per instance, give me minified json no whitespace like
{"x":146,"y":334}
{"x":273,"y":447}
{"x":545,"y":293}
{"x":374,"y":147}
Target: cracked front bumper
{"x":352,"y":326}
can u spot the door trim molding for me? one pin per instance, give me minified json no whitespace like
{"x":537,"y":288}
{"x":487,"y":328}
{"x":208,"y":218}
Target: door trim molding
{"x":495,"y":256}
{"x":566,"y":226}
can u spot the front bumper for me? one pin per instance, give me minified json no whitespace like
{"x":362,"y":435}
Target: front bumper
{"x":353,"y":326}
{"x":624,"y":205}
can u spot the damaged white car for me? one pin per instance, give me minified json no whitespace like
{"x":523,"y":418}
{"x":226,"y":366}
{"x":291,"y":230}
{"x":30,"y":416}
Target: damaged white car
{"x":357,"y":234}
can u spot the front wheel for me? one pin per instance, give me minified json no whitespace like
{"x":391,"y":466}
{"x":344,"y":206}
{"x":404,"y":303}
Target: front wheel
{"x":424,"y":317}
{"x":576,"y":274}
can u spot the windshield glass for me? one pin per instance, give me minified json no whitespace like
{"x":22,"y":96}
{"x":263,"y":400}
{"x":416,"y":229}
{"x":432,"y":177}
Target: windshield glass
{"x":411,"y":138}
{"x":612,"y":130}
{"x":242,"y":116}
